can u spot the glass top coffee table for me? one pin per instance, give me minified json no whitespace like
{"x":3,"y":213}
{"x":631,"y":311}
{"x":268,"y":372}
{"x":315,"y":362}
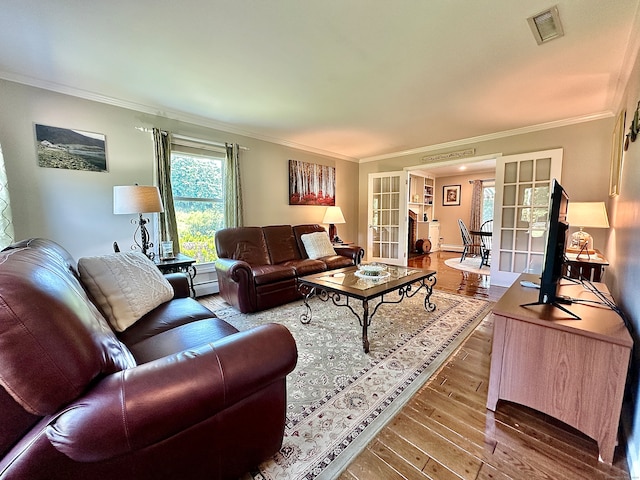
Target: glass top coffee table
{"x":352,"y":283}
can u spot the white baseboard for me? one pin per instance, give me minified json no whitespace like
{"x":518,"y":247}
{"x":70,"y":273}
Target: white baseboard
{"x":452,"y":248}
{"x":208,"y":288}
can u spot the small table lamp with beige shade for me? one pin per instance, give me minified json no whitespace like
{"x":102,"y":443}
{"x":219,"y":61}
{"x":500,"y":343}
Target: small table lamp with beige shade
{"x":585,"y":215}
{"x":332,"y":216}
{"x":138,"y":199}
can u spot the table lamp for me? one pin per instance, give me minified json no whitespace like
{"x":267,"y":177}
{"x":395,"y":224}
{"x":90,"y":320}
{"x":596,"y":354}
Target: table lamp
{"x":130,"y":199}
{"x":332,"y":216}
{"x":585,"y":215}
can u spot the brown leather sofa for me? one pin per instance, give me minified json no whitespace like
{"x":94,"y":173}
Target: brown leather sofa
{"x":180,"y":394}
{"x":258,"y":267}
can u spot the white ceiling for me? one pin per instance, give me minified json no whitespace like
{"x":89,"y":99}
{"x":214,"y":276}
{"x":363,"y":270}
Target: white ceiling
{"x":358,"y":79}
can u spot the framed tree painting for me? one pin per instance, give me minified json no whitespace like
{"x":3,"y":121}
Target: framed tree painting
{"x":311,"y":184}
{"x":451,"y":195}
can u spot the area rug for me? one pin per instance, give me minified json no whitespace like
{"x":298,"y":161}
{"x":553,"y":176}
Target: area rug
{"x":469,"y":264}
{"x":340,"y":397}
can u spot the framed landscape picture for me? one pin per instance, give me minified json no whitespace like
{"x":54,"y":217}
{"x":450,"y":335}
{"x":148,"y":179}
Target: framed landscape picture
{"x":70,"y":149}
{"x":451,"y":195}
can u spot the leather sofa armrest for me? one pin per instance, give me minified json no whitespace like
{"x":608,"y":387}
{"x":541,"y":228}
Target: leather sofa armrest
{"x":180,"y":284}
{"x":237,"y":286}
{"x":353,"y":252}
{"x":234,"y":269}
{"x":139,"y":407}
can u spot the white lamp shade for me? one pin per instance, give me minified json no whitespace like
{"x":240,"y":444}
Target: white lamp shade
{"x":128,"y":199}
{"x":333,"y":215}
{"x":587,"y":215}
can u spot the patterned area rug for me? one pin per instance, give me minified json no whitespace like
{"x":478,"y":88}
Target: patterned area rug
{"x":470,"y":264}
{"x":338,"y":396}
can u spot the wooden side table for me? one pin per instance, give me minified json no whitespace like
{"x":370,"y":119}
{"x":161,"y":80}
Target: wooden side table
{"x":591,"y":268}
{"x":342,"y":244}
{"x":181,"y":263}
{"x":572,"y":370}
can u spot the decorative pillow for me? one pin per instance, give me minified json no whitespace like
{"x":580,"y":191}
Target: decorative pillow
{"x":126,"y":286}
{"x":317,"y":245}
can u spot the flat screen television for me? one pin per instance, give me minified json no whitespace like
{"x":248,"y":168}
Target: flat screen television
{"x":554,"y":257}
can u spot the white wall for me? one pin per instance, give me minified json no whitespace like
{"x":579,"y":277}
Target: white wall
{"x":623,"y":277}
{"x":585,"y":168}
{"x":74,"y":208}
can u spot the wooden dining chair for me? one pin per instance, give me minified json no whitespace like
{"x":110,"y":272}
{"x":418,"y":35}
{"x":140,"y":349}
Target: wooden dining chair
{"x":486,"y":227}
{"x":466,"y":240}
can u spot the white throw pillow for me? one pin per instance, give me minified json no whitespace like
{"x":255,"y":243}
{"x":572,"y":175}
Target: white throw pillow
{"x":317,"y":245}
{"x":126,"y":286}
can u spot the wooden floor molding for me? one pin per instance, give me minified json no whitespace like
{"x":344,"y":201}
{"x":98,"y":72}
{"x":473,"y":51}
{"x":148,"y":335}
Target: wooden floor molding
{"x":445,"y":431}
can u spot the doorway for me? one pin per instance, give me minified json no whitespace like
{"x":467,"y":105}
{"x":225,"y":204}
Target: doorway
{"x":443,"y":220}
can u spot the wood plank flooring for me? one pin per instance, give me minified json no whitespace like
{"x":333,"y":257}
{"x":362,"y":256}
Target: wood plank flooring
{"x":445,"y":431}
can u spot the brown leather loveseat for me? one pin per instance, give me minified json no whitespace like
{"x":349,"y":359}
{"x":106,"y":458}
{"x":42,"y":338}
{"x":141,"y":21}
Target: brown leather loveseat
{"x":258,"y":267}
{"x":179,"y":394}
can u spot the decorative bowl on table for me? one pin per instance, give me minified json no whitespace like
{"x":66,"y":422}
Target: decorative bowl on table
{"x":372,"y":271}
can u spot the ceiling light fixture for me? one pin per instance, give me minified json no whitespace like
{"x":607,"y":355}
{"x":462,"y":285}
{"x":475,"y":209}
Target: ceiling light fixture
{"x":546,"y":26}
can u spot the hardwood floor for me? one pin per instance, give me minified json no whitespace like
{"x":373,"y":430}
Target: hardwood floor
{"x":445,"y":431}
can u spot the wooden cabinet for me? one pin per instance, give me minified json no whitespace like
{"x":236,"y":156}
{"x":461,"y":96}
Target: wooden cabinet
{"x":572,"y":370}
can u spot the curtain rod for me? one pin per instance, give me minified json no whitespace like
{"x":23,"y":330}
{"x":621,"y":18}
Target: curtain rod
{"x":485,"y":180}
{"x":191,"y":139}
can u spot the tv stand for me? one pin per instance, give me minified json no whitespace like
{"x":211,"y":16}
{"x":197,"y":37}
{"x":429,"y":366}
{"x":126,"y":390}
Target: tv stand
{"x":573,"y":370}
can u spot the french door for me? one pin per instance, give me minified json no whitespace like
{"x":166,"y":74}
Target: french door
{"x":523,"y":187}
{"x":387,"y":211}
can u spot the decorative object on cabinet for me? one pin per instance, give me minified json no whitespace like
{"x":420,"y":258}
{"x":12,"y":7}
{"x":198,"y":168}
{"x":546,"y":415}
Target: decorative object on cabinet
{"x":589,"y":215}
{"x":332,"y":216}
{"x":451,"y":195}
{"x":619,"y":144}
{"x":70,"y":149}
{"x":311,"y":184}
{"x":130,"y":199}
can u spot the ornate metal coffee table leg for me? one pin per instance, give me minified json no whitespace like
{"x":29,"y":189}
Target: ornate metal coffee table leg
{"x":365,"y":325}
{"x":429,"y":283}
{"x":308,"y":292}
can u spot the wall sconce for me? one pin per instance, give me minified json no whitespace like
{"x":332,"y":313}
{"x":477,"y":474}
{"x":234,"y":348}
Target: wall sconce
{"x":589,"y":215}
{"x":130,"y":199}
{"x":332,"y":216}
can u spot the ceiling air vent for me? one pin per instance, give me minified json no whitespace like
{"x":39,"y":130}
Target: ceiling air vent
{"x":546,"y":25}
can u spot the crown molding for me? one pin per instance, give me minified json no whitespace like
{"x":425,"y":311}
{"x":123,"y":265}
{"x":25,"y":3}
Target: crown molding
{"x":492,"y":136}
{"x":172,"y":114}
{"x":228,"y":128}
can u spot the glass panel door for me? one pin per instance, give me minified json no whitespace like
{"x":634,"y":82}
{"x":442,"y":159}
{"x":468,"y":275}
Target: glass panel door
{"x":523,"y":185}
{"x":387,"y":204}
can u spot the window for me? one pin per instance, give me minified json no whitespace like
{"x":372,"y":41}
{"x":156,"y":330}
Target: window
{"x":197,"y":180}
{"x":488,"y":198}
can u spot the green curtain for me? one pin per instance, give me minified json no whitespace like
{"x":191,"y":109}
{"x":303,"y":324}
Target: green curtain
{"x":168,"y":224}
{"x":233,"y":187}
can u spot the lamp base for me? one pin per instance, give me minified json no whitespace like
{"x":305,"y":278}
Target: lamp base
{"x":333,"y":232}
{"x":146,"y":247}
